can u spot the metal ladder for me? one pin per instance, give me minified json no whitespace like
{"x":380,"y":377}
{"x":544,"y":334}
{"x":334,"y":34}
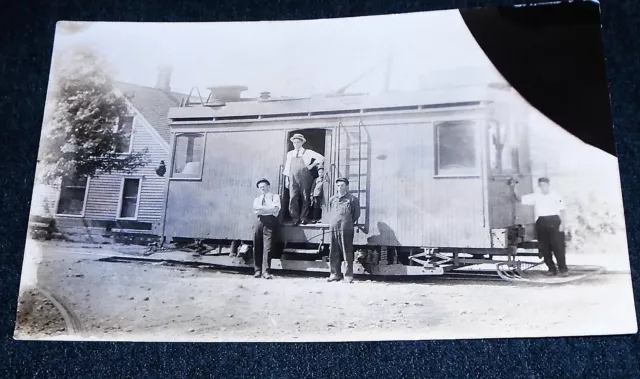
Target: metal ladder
{"x":352,"y":161}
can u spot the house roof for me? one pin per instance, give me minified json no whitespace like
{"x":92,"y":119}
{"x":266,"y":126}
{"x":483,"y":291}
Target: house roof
{"x":153,"y":104}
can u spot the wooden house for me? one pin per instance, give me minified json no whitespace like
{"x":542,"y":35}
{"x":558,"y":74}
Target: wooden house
{"x":128,"y":205}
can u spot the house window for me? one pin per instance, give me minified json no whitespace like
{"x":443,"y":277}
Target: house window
{"x":125,"y":129}
{"x":129,"y":198}
{"x":188,"y":156}
{"x":456,"y":148}
{"x":503,"y":149}
{"x":73,"y":193}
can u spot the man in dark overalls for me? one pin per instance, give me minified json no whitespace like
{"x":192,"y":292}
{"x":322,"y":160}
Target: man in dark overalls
{"x":266,"y":207}
{"x":344,"y":211}
{"x":298,"y":178}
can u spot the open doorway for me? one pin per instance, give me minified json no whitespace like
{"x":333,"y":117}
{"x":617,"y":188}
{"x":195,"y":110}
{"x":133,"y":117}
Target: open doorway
{"x":317,"y":140}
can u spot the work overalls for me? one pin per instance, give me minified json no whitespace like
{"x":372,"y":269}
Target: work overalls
{"x":341,"y":228}
{"x":300,"y":181}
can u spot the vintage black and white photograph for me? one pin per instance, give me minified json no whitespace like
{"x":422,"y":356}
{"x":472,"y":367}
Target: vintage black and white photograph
{"x":369,"y":178}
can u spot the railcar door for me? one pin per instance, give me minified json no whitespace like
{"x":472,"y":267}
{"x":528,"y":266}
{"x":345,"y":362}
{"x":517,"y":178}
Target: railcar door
{"x":508,"y":158}
{"x":319,"y":140}
{"x":328,"y":165}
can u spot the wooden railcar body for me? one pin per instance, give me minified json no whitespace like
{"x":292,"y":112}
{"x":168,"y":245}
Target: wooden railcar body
{"x":429,"y":168}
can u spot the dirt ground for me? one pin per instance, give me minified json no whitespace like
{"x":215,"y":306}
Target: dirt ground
{"x":37,"y":316}
{"x":127,"y":301}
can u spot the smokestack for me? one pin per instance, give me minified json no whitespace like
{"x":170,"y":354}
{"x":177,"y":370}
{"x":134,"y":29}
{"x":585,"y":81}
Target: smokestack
{"x":164,"y":78}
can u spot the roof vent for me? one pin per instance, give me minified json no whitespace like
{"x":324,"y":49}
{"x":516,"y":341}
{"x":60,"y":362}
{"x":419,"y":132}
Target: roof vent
{"x":265,"y":95}
{"x":220,"y":95}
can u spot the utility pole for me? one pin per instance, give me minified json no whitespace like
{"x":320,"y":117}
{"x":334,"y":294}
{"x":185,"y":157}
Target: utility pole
{"x":388,"y":71}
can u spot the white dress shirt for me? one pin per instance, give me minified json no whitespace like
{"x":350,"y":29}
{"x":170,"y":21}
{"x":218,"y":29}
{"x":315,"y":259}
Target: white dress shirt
{"x":306,"y":154}
{"x":550,"y":204}
{"x":271,"y":200}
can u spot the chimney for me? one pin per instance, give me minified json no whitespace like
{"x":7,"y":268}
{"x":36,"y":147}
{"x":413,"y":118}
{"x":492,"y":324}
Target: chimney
{"x":164,"y":78}
{"x":265,"y":95}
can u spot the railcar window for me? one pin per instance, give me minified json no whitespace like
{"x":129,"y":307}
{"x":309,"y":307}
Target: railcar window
{"x":188,"y":156}
{"x":125,"y":129}
{"x":73,"y":191}
{"x":456,"y":148}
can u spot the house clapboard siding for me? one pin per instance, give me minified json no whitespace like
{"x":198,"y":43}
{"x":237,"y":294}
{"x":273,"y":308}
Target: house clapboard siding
{"x":45,"y":197}
{"x":104,"y":193}
{"x":150,"y":107}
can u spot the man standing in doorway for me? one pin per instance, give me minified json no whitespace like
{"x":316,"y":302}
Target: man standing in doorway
{"x":298,"y":178}
{"x":549,"y":212}
{"x":266,"y":207}
{"x":344,"y":211}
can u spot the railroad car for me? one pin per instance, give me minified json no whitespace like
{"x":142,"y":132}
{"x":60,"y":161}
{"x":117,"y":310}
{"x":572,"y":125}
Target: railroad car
{"x":429,"y":168}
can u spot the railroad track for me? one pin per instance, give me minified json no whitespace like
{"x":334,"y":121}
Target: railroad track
{"x":73,"y":323}
{"x":504,"y":273}
{"x":526,"y":272}
{"x":455,"y":276}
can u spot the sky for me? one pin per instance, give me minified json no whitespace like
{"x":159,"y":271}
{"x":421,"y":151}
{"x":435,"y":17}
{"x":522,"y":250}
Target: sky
{"x":293,"y":58}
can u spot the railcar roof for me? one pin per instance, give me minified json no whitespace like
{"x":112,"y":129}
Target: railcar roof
{"x":335,"y":105}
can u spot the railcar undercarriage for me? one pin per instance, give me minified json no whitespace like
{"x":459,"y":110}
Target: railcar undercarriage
{"x":514,"y":264}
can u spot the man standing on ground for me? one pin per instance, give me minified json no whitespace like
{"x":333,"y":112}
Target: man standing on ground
{"x":266,"y":207}
{"x":298,"y":178}
{"x":344,"y":211}
{"x":549,"y":212}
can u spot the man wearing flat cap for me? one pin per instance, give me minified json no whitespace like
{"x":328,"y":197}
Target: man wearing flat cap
{"x":298,"y":178}
{"x":267,"y":207}
{"x":344,"y":211}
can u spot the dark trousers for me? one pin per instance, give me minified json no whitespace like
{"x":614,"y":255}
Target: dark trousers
{"x":551,"y":241}
{"x":263,"y":242}
{"x":317,"y":207}
{"x":300,"y":192}
{"x":341,"y":249}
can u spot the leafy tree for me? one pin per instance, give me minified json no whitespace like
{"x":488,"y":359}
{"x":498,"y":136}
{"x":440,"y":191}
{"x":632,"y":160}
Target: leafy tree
{"x":84,"y":118}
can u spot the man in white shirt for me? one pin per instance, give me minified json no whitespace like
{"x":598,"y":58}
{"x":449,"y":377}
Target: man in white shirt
{"x":266,"y":207}
{"x":549,"y":210}
{"x":298,"y":178}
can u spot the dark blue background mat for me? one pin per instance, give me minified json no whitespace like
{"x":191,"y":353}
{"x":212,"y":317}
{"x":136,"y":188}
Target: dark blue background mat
{"x":26,"y":36}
